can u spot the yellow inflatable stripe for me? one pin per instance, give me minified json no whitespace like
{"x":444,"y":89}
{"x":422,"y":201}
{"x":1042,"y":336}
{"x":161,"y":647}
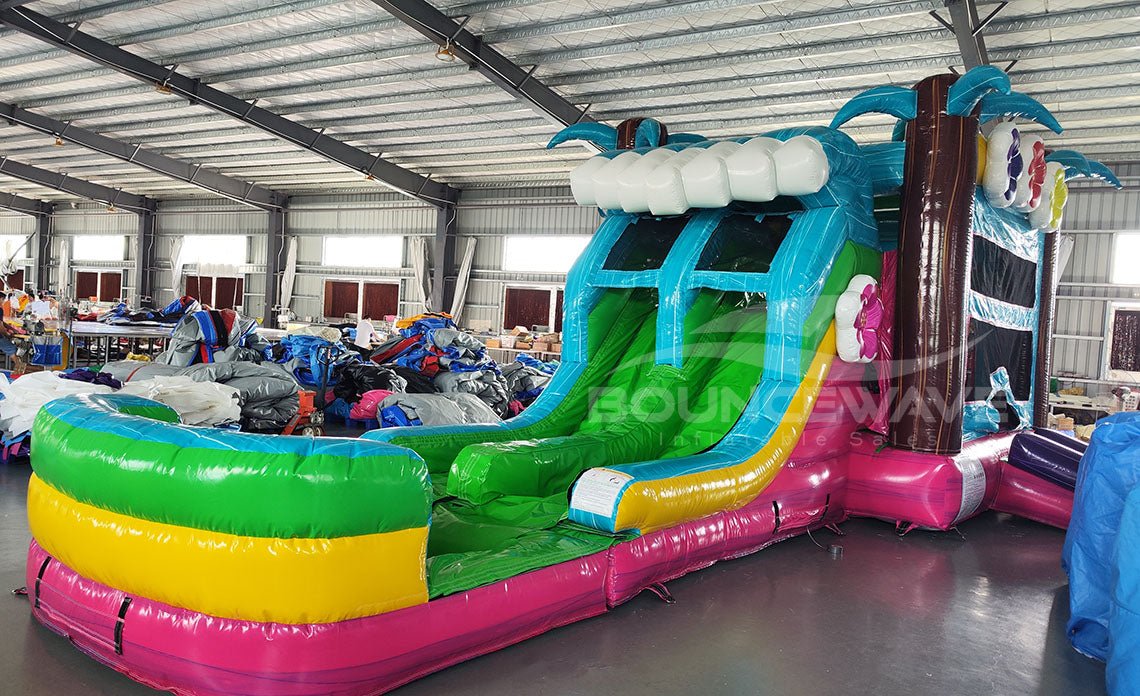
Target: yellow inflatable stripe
{"x":293,"y":581}
{"x":652,"y":505}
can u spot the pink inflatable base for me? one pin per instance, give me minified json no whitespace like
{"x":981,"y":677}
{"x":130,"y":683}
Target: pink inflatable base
{"x":1032,"y":497}
{"x":192,"y":654}
{"x":189,"y":653}
{"x":836,"y":470}
{"x":196,"y":655}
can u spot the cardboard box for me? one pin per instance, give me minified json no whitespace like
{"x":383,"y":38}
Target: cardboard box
{"x":493,"y":343}
{"x":541,"y":346}
{"x":550,"y":338}
{"x":556,"y":348}
{"x":523,"y":345}
{"x":520,"y":331}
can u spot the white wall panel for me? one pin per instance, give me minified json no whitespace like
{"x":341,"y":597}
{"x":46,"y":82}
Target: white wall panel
{"x":1095,"y":215}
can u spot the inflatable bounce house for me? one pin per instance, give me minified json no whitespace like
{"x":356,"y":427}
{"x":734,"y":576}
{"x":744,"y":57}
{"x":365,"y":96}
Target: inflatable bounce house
{"x":765,"y":336}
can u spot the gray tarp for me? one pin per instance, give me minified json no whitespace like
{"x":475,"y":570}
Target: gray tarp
{"x":488,"y":385}
{"x":268,"y":392}
{"x":182,"y":350}
{"x":442,"y":409}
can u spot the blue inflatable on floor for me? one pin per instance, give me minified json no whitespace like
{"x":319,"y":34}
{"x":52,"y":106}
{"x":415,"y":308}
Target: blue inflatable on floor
{"x":1123,"y":673}
{"x":1100,"y":554}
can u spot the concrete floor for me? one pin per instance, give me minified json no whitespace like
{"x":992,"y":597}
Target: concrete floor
{"x":925,"y":614}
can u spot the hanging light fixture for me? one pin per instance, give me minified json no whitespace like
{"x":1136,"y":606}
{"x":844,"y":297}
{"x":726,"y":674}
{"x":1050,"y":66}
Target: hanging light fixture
{"x":162,"y":88}
{"x":445,"y":54}
{"x":58,"y":141}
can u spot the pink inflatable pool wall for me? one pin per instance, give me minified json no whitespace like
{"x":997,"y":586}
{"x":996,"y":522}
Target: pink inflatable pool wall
{"x":835,"y":471}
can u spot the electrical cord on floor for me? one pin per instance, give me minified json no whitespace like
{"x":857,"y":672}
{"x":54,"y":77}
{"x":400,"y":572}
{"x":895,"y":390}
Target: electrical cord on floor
{"x":833,"y":550}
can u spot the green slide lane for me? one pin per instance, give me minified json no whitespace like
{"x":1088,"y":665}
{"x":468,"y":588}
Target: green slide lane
{"x":506,"y":493}
{"x":613,"y":325}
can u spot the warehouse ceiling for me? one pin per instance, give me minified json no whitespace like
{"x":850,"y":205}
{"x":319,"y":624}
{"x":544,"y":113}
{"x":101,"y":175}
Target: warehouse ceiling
{"x":349,"y":70}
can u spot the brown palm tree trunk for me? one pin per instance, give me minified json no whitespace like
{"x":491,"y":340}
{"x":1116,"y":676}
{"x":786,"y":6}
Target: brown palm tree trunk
{"x":935,"y":244}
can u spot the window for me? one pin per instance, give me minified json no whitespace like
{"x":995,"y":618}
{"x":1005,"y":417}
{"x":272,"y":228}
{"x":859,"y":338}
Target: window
{"x":531,"y":307}
{"x":214,"y":249}
{"x":102,"y":247}
{"x":381,"y":251}
{"x":221,"y":292}
{"x":15,"y":246}
{"x":1126,"y":249}
{"x":542,"y":253}
{"x":104,"y":286}
{"x":1124,"y":353}
{"x":15,"y":280}
{"x":375,"y":300}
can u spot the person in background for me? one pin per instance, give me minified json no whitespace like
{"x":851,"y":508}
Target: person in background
{"x":42,"y":308}
{"x":8,"y":336}
{"x":364,"y":333}
{"x":15,"y":302}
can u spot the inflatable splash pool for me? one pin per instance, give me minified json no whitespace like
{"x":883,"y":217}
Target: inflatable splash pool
{"x":726,"y":383}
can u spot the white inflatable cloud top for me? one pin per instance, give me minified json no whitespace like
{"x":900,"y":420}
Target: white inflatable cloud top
{"x":667,"y":181}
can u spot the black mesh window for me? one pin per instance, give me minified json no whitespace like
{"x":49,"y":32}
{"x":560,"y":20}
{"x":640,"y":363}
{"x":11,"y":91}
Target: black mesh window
{"x":645,"y":244}
{"x":1001,"y":275}
{"x":743,"y":244}
{"x":992,"y":347}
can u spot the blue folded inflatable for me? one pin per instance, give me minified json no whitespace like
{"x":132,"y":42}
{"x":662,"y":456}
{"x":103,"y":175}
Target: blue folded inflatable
{"x":1123,"y":671}
{"x":1101,"y":554}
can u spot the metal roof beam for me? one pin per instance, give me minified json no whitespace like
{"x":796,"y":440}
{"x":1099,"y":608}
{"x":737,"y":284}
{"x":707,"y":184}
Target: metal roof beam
{"x":453,"y":39}
{"x":1028,"y":23}
{"x":968,"y":29}
{"x":1041,"y":50}
{"x":63,"y":183}
{"x":186,"y":172}
{"x":1033,"y":22}
{"x":374,"y":166}
{"x":19,"y":204}
{"x":171,"y":30}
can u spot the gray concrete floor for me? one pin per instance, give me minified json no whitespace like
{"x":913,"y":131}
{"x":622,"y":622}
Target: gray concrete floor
{"x":925,"y":614}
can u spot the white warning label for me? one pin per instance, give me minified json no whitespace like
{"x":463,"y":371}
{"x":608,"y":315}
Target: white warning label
{"x":973,"y":485}
{"x":597,"y":491}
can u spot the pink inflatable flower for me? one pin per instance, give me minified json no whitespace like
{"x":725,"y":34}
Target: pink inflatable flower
{"x":859,"y":320}
{"x":868,"y":321}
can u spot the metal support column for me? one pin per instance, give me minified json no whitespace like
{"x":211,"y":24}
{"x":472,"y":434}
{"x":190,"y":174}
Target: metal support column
{"x":146,"y":239}
{"x":42,"y":246}
{"x":274,"y":253}
{"x":443,"y":258}
{"x":1046,"y":314}
{"x":968,"y":29}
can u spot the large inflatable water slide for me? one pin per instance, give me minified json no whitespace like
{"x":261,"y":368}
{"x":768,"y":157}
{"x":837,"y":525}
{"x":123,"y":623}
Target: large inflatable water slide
{"x":765,"y":336}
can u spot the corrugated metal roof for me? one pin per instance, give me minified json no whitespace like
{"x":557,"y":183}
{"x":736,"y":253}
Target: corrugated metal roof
{"x":718,"y":67}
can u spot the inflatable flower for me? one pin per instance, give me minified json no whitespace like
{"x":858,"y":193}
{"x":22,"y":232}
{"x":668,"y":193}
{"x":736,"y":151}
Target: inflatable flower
{"x":1003,"y":165}
{"x":859,"y":320}
{"x":1048,"y":214}
{"x":1032,"y":180}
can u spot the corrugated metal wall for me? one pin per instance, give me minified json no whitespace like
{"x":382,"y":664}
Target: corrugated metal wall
{"x":487,"y":215}
{"x":23,"y":226}
{"x":1095,"y":215}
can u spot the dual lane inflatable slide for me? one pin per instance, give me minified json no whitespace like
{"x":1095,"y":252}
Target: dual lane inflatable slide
{"x":765,"y":336}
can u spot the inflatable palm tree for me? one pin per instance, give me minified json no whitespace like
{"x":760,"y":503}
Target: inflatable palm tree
{"x":939,"y":121}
